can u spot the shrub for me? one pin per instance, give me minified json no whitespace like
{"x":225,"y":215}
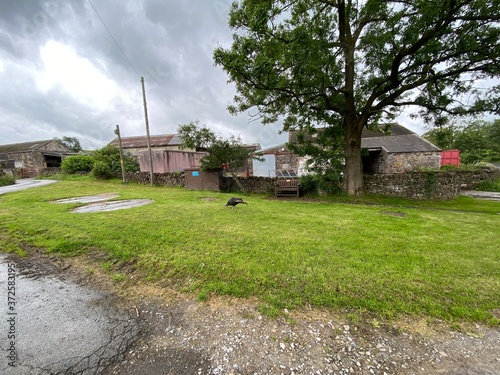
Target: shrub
{"x":489,"y":186}
{"x":308,"y":184}
{"x":102,"y":171}
{"x":7,"y":180}
{"x":329,"y":182}
{"x":110,"y":156}
{"x":77,"y":164}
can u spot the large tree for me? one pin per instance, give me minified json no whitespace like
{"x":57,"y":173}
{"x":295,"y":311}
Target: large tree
{"x":348,"y":63}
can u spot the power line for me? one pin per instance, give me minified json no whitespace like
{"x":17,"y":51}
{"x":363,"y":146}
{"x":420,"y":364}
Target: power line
{"x":112,"y":37}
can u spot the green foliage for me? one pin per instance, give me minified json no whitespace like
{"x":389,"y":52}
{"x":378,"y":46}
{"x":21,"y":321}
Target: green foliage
{"x":70,"y":142}
{"x":476,"y":140}
{"x":77,"y":164}
{"x":102,"y":171}
{"x":7,"y":180}
{"x":220,"y":151}
{"x":108,"y":162}
{"x":344,"y":64}
{"x":441,"y":137}
{"x":430,"y":183}
{"x":489,"y":186}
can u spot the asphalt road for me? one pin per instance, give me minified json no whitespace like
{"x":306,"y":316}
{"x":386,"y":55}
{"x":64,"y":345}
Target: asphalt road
{"x":25,"y":183}
{"x":49,"y":325}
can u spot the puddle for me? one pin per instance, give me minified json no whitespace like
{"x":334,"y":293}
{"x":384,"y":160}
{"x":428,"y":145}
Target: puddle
{"x":113,"y":205}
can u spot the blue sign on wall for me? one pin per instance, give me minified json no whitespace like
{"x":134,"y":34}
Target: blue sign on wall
{"x":195,"y":174}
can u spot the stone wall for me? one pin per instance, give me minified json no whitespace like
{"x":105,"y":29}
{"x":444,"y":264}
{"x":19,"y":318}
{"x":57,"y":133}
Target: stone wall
{"x":427,"y":185}
{"x":415,"y":185}
{"x":163,"y":179}
{"x":409,"y":161}
{"x":252,"y":184}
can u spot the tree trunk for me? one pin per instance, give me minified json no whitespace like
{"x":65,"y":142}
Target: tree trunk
{"x":353,"y":173}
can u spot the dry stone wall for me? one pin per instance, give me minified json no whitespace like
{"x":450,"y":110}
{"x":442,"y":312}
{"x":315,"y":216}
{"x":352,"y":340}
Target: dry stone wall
{"x":415,"y":185}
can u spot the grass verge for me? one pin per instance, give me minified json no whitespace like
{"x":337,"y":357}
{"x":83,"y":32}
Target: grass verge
{"x":390,"y":257}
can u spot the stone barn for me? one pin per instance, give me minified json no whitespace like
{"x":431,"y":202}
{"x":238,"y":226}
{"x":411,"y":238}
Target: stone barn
{"x":396,"y":150}
{"x":29,"y":158}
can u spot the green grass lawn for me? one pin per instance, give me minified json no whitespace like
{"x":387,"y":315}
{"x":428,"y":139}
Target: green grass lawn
{"x":387,"y":256}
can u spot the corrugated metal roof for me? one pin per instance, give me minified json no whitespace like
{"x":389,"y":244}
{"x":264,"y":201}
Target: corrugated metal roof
{"x":155,"y":140}
{"x":23,"y":147}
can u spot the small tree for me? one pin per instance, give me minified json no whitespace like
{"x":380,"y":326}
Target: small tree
{"x":108,"y":160}
{"x":228,"y":153}
{"x":71,"y":143}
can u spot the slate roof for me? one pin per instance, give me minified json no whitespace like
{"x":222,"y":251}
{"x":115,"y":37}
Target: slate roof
{"x":161,"y":140}
{"x":396,"y":139}
{"x":399,"y":143}
{"x":23,"y":147}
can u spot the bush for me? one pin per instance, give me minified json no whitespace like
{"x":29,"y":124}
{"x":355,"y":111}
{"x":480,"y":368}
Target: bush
{"x":102,"y":171}
{"x":7,"y":180}
{"x":308,"y":184}
{"x":77,"y":164}
{"x":329,"y":182}
{"x":110,"y":156}
{"x":489,"y":186}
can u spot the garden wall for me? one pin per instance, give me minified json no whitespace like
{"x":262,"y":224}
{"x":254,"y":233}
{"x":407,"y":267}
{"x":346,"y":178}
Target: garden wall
{"x":415,"y":185}
{"x":163,"y":179}
{"x":435,"y":185}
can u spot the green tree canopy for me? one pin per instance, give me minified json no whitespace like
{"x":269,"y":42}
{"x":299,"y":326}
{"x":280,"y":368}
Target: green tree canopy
{"x":70,"y":142}
{"x":477,"y":140}
{"x":347,"y":64}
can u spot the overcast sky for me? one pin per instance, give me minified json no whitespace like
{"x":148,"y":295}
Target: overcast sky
{"x":63,"y":75}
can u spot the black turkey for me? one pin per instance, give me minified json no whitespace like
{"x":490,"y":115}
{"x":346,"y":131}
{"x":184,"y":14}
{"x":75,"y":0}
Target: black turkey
{"x":234,"y":201}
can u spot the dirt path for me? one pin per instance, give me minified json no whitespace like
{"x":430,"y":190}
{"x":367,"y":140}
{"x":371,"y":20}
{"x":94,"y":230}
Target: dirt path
{"x":180,"y":335}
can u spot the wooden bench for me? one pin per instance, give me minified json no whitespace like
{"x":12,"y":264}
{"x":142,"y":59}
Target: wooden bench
{"x":287,"y":188}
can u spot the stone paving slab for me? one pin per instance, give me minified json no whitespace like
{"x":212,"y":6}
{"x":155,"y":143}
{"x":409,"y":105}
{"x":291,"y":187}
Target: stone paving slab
{"x":113,"y":205}
{"x":482,"y":194}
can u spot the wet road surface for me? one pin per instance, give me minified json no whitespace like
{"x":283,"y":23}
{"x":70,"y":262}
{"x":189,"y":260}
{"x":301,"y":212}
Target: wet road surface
{"x":55,"y":326}
{"x":23,"y":184}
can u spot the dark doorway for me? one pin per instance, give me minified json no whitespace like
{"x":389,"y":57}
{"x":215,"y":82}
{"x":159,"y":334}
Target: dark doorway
{"x":371,"y":161}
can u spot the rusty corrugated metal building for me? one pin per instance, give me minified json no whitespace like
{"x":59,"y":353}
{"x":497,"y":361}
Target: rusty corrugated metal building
{"x":165,"y":161}
{"x":134,"y":145}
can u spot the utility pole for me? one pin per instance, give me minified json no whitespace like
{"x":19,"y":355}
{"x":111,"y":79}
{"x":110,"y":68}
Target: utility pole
{"x":151,"y":173}
{"x":122,"y":163}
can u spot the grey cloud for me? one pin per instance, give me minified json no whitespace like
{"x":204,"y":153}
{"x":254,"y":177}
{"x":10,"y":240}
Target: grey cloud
{"x":168,"y":42}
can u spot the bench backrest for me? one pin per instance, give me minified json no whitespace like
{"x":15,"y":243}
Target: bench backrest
{"x":287,"y":183}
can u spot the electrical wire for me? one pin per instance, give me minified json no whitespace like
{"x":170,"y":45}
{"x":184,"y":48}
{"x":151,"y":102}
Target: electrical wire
{"x":112,"y":37}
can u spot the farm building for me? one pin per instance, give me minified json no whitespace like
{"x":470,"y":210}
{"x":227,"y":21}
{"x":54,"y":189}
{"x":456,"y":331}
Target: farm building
{"x":165,"y":161}
{"x":30,"y":158}
{"x":176,"y":160}
{"x":395,"y":151}
{"x":134,"y":145}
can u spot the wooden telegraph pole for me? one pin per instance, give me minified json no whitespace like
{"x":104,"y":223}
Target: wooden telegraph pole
{"x":122,"y":163}
{"x":151,"y":173}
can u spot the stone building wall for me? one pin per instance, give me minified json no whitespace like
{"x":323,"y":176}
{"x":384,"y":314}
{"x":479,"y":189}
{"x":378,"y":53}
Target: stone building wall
{"x":409,"y":161}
